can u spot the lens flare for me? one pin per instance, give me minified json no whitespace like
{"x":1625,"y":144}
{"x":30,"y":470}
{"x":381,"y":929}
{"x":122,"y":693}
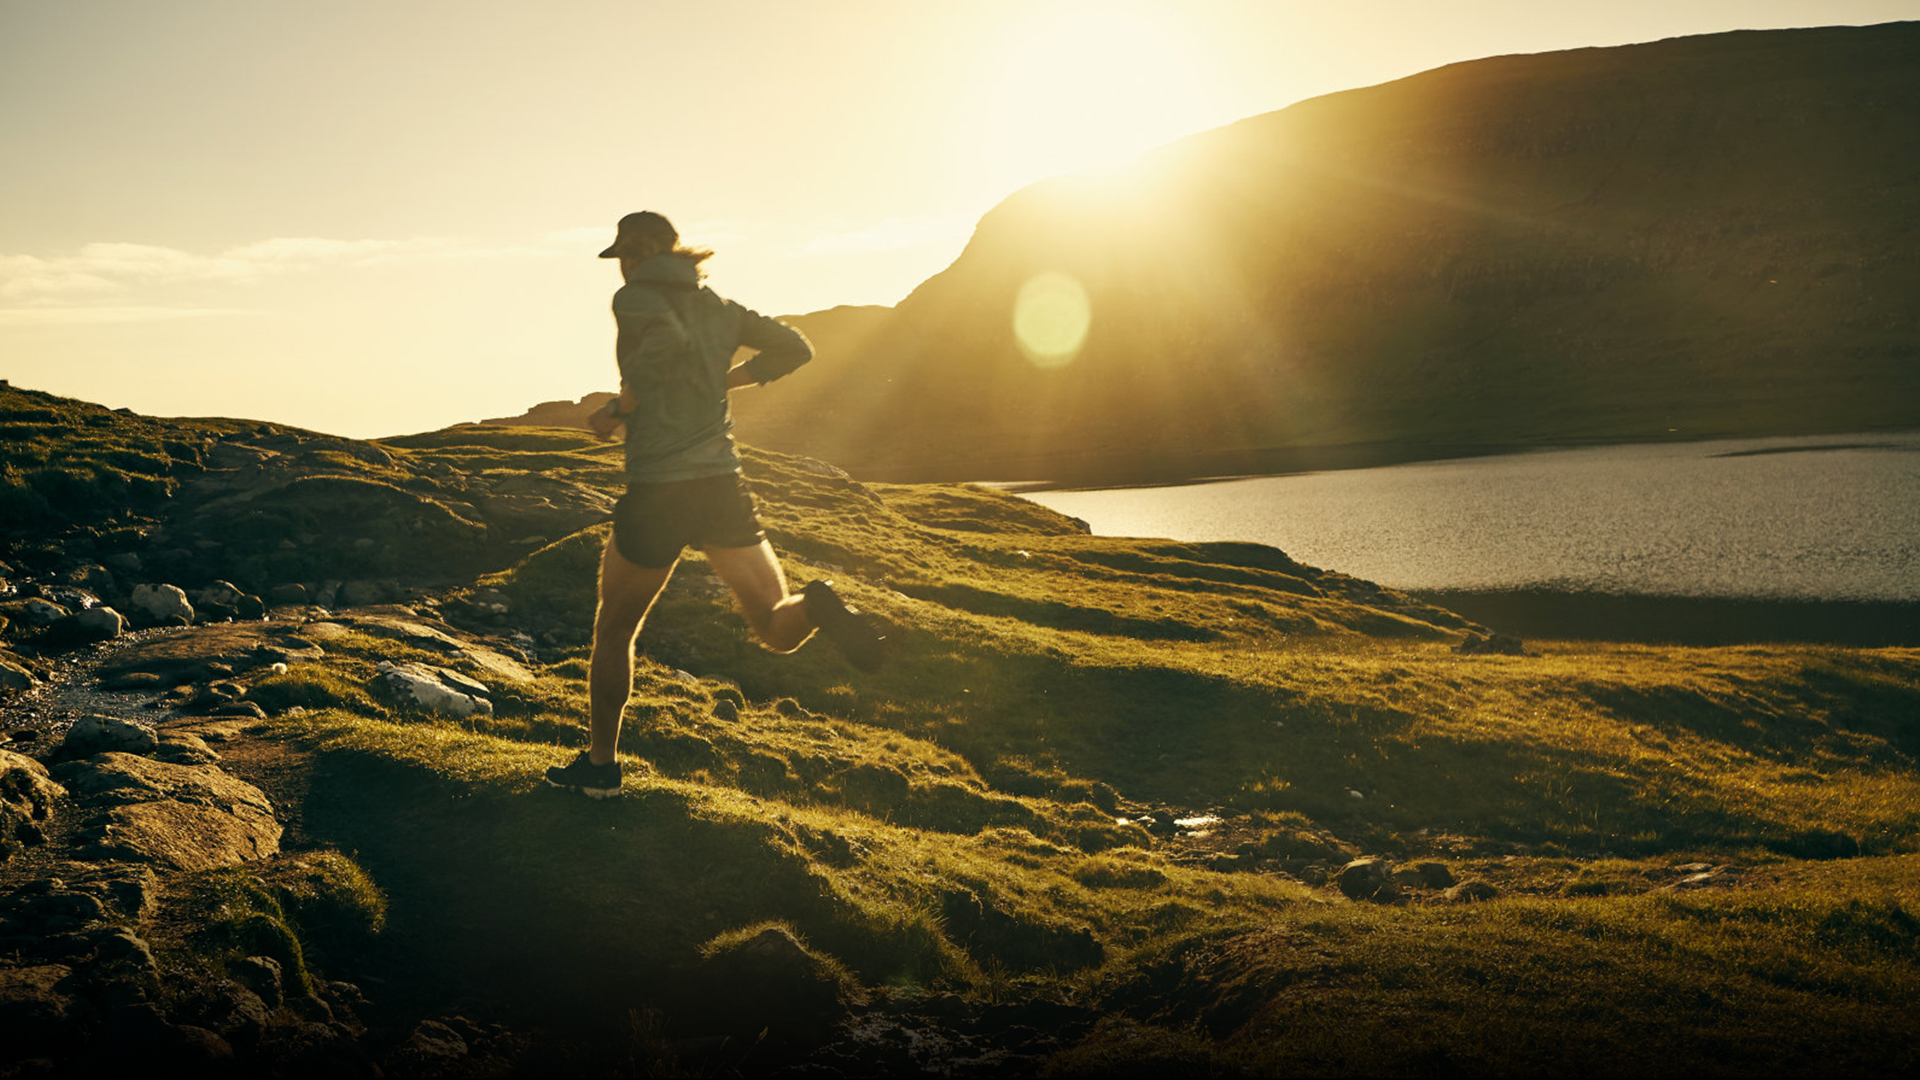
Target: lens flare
{"x":1050,"y":319}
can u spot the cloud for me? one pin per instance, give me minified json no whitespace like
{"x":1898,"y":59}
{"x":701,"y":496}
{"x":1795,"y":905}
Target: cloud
{"x":120,"y":281}
{"x":890,"y":234}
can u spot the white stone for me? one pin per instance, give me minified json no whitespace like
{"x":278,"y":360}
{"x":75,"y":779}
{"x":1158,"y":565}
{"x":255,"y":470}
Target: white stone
{"x":162,"y":602}
{"x":432,"y":688}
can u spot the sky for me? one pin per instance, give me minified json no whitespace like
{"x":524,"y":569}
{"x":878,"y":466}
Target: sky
{"x":377,"y":218}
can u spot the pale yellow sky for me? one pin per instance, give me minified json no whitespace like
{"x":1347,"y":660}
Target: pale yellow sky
{"x":373,"y":218}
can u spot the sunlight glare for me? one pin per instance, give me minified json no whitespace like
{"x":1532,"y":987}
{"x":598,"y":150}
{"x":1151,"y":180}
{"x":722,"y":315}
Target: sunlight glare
{"x":1050,"y":319}
{"x":1091,"y":86}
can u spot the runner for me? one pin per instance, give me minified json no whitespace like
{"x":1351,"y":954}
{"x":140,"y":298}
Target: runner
{"x":676,"y":344}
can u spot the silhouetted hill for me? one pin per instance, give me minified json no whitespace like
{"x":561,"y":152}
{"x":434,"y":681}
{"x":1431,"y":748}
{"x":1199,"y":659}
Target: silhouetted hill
{"x":1701,"y":236}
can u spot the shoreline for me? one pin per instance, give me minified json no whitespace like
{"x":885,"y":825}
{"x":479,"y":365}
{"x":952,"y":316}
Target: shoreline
{"x":1683,"y":620}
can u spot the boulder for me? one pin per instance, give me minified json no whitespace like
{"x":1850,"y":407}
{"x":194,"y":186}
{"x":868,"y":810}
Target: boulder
{"x":13,"y":676}
{"x":260,"y":974}
{"x":435,"y":689}
{"x":42,"y":612}
{"x":92,"y":624}
{"x":162,"y":603}
{"x":219,"y":594}
{"x":1368,"y":879}
{"x":94,"y":733}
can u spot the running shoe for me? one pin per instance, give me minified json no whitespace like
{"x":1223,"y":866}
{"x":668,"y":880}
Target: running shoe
{"x":850,"y":631}
{"x":581,"y":774}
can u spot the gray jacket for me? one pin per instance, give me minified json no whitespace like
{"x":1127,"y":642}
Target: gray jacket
{"x":676,"y":344}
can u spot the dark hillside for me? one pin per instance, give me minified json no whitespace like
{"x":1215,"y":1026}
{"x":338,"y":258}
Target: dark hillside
{"x":1694,"y":237}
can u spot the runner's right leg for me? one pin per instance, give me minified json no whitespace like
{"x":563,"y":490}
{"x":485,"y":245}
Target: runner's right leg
{"x":627,"y":592}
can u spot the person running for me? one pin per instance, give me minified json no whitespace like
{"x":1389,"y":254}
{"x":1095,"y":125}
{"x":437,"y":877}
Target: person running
{"x":676,"y":343}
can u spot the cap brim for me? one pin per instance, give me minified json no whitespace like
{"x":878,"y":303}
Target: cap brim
{"x":612,"y":252}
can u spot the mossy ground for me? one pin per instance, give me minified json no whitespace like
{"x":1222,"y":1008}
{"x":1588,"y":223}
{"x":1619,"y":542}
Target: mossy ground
{"x":989,"y":813}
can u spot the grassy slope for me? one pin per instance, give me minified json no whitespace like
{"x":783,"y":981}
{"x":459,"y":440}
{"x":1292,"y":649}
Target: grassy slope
{"x":952,"y":820}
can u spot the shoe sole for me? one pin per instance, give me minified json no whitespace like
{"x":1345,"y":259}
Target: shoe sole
{"x":589,"y":792}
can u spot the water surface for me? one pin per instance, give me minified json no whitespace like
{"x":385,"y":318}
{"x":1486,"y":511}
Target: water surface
{"x":1810,"y":518}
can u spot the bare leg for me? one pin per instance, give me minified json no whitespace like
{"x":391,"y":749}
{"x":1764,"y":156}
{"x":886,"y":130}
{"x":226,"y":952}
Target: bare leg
{"x":627,"y":592}
{"x":779,"y":619}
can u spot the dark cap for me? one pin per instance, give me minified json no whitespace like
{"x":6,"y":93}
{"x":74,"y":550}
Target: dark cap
{"x":644,"y":226}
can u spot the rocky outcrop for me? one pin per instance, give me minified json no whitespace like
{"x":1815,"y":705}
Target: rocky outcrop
{"x":181,"y":817}
{"x":27,"y":797}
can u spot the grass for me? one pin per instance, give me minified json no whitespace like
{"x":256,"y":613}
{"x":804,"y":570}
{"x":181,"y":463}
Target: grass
{"x":987,"y":814}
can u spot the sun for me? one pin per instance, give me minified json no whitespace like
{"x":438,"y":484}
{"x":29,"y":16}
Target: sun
{"x":1089,"y":86}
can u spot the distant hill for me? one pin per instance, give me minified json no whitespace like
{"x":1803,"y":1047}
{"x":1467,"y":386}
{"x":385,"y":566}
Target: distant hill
{"x":1713,"y":235}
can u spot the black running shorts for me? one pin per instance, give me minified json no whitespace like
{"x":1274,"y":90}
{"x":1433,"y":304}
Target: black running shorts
{"x":653,"y":523}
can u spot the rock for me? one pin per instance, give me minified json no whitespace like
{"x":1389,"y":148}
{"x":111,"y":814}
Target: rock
{"x":125,"y":562}
{"x":223,"y":594}
{"x":131,"y":891}
{"x":1368,"y":879}
{"x":416,"y":632}
{"x":176,"y":658}
{"x":183,"y":836}
{"x":290,"y":595}
{"x":237,"y":1013}
{"x":26,"y":798}
{"x":186,"y":817}
{"x":37,"y":1008}
{"x":1434,"y":874}
{"x":435,"y":689}
{"x":92,"y":624}
{"x":434,"y":1049}
{"x":15,"y":677}
{"x":1470,"y":892}
{"x":41,"y":612}
{"x":725,"y":709}
{"x":260,"y":974}
{"x":185,"y":748}
{"x":363,"y":593}
{"x":1492,"y":645}
{"x":93,"y":734}
{"x":162,"y":603}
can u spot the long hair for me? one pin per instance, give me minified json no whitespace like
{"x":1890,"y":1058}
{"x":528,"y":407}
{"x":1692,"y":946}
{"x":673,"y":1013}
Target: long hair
{"x":694,"y":255}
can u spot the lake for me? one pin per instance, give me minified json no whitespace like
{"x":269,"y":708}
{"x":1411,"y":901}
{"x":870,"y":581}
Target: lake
{"x":1806,"y":520}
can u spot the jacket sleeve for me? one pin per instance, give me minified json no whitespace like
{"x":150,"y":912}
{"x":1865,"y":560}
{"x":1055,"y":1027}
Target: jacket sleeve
{"x":648,"y":331}
{"x":781,"y":347}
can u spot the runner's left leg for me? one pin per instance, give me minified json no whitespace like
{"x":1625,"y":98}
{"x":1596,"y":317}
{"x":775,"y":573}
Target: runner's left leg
{"x":778,"y":617}
{"x":627,"y":592}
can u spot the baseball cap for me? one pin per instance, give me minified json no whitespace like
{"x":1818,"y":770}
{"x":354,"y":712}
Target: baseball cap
{"x":644,"y":225}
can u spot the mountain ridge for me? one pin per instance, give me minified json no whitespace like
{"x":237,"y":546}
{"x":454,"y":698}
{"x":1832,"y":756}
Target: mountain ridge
{"x":1703,"y":236}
